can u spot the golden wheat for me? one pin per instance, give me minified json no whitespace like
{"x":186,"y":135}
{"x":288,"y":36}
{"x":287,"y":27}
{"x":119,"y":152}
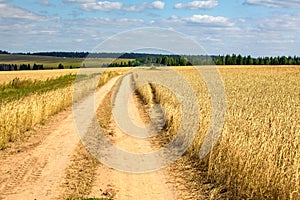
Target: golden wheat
{"x":18,"y":116}
{"x":7,"y":76}
{"x":258,"y":155}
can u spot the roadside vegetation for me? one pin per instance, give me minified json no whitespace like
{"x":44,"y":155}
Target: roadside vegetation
{"x":258,"y":154}
{"x":18,"y":88}
{"x":25,"y":103}
{"x":40,"y":75}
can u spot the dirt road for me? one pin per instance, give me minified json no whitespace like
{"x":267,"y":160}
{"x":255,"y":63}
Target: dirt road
{"x":121,"y":185}
{"x":37,"y":172}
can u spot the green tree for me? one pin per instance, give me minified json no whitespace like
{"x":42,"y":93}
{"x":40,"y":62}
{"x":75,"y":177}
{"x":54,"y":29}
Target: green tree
{"x":283,"y":60}
{"x":165,"y":60}
{"x":228,"y":60}
{"x":239,"y":60}
{"x":261,"y":61}
{"x":267,"y":61}
{"x":60,"y":66}
{"x":234,"y":59}
{"x":249,"y":60}
{"x":275,"y":61}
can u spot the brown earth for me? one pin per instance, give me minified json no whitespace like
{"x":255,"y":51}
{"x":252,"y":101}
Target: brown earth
{"x":116,"y":184}
{"x":36,"y":170}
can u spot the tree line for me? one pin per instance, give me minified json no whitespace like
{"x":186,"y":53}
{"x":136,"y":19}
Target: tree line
{"x":15,"y":67}
{"x":172,"y":60}
{"x":152,"y":61}
{"x":144,"y":59}
{"x":75,"y":54}
{"x":248,"y":60}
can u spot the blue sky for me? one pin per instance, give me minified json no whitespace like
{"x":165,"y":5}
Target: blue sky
{"x":248,"y":27}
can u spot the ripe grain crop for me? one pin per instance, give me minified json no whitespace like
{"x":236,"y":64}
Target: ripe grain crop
{"x":18,"y":116}
{"x":7,"y":76}
{"x":258,"y":154}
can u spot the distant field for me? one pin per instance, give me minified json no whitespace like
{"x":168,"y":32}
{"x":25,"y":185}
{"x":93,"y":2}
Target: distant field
{"x":7,"y":76}
{"x":53,"y":62}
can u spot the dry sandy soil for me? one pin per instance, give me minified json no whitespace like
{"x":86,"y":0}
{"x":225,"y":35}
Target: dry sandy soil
{"x":118,"y":184}
{"x":37,"y":171}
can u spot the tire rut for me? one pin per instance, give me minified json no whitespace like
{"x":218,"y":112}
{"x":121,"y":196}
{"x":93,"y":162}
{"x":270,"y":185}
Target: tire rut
{"x":38,"y":172}
{"x":112,"y":183}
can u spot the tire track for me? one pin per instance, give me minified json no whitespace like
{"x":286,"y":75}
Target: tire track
{"x":111,"y":183}
{"x":38,"y":172}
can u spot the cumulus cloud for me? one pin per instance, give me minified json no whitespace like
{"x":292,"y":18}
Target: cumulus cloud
{"x":206,"y":19}
{"x":105,"y":22}
{"x":9,"y":11}
{"x":274,"y":3}
{"x":140,"y":7}
{"x":109,"y":5}
{"x":194,"y":5}
{"x":102,"y":6}
{"x":158,"y":5}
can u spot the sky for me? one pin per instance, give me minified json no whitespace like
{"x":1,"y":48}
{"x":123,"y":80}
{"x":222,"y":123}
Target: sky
{"x":247,"y":27}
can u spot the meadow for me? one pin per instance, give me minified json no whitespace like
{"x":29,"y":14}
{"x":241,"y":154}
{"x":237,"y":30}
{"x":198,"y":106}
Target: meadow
{"x":258,"y":154}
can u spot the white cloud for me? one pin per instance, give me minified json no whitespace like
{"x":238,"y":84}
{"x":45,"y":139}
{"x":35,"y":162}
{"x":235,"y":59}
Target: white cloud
{"x":81,"y":1}
{"x":130,"y":21}
{"x":158,"y":5}
{"x":105,"y":22}
{"x":9,"y":11}
{"x":136,"y":8}
{"x":281,"y":23}
{"x":79,"y":40}
{"x":102,"y":5}
{"x":44,"y":2}
{"x":140,"y":7}
{"x":193,"y":5}
{"x":206,"y":19}
{"x":109,"y":5}
{"x":274,"y":3}
{"x":273,"y":41}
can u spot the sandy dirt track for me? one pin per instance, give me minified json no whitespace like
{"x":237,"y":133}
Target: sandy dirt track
{"x":37,"y":172}
{"x":121,"y":185}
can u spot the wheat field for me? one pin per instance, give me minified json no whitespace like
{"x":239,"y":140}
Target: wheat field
{"x":258,"y":154}
{"x":19,"y":116}
{"x":7,"y":76}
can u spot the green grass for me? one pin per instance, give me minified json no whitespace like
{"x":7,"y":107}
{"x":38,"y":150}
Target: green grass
{"x":52,"y":62}
{"x":17,"y":88}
